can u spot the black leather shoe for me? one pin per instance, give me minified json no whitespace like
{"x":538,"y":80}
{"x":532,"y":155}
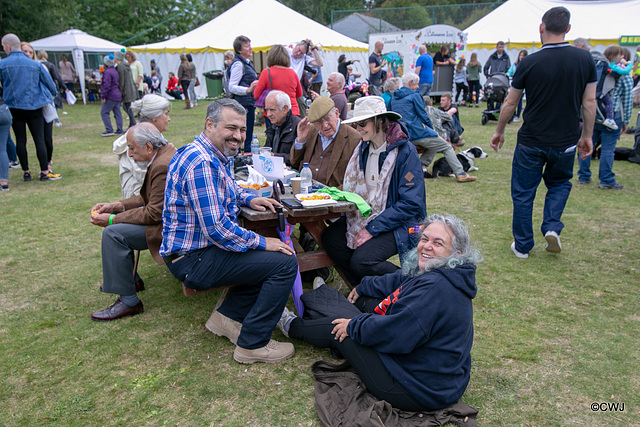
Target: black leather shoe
{"x":116,"y":311}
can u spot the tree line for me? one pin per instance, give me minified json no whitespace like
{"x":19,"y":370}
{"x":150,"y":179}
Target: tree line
{"x":120,"y":20}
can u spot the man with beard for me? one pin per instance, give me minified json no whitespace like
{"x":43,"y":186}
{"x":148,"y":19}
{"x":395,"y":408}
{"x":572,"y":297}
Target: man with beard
{"x":205,"y":247}
{"x":133,"y":224}
{"x":411,"y":344}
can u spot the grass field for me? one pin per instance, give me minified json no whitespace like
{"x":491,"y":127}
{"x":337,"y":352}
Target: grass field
{"x":553,"y":333}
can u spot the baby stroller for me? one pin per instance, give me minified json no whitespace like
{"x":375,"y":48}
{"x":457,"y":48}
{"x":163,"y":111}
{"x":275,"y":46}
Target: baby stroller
{"x":495,"y":90}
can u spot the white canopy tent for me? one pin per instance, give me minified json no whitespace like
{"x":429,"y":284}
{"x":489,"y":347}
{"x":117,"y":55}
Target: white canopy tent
{"x":517,"y":22}
{"x":77,"y":42}
{"x":265,"y":22}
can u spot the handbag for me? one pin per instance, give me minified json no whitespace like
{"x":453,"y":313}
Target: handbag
{"x":49,"y":112}
{"x":263,"y":96}
{"x":71,"y":98}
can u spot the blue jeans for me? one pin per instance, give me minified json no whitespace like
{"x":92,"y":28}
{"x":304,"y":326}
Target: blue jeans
{"x":424,"y":89}
{"x":262,"y":282}
{"x":251,"y":118}
{"x":11,"y":150}
{"x":530,"y":164}
{"x":608,"y":139}
{"x":5,"y":126}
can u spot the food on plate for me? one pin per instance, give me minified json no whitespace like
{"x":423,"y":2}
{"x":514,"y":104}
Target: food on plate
{"x":315,"y":196}
{"x":255,"y":186}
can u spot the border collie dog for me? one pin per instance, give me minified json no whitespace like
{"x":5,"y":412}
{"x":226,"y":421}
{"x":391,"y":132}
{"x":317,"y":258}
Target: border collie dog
{"x":466,"y":158}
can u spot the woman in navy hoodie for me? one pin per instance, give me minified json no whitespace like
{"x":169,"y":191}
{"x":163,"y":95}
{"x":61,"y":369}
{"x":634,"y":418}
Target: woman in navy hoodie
{"x":411,"y":345}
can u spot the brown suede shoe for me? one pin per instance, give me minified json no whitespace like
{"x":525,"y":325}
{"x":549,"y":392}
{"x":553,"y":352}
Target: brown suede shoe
{"x":465,"y":178}
{"x":271,"y":353}
{"x":223,"y":326}
{"x":116,"y":311}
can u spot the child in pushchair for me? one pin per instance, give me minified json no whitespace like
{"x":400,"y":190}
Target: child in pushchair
{"x":495,"y":92}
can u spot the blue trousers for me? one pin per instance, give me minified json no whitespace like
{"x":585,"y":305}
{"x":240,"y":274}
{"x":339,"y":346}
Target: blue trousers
{"x":5,"y":127}
{"x":262,"y":282}
{"x":530,"y":165}
{"x":107,"y":107}
{"x":251,"y":118}
{"x":608,"y":140}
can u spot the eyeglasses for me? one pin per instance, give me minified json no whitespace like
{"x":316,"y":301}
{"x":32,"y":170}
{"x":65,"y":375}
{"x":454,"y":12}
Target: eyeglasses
{"x":361,"y":123}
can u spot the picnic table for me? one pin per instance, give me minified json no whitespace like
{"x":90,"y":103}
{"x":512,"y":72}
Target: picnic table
{"x":313,"y":219}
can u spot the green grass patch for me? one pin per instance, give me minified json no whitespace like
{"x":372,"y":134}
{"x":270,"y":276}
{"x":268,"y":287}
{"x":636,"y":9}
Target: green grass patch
{"x":553,"y":333}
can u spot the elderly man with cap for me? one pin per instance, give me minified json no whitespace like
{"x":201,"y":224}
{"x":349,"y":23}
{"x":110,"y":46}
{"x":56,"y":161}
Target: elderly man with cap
{"x":284,"y":125}
{"x":133,"y":224}
{"x":324,"y":143}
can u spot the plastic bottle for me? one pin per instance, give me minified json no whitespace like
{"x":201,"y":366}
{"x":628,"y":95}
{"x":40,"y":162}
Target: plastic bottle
{"x":255,"y":146}
{"x":305,"y":179}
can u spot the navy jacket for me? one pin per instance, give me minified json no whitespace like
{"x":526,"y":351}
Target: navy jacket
{"x":410,"y":105}
{"x":406,"y":200}
{"x":248,"y":76}
{"x":422,"y":330}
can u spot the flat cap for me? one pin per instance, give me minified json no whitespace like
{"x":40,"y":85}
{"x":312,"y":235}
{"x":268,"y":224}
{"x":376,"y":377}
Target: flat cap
{"x":319,"y":108}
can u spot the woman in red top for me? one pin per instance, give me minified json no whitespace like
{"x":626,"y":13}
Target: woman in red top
{"x":282,"y":78}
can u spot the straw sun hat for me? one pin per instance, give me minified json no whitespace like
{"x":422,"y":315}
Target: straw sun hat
{"x":368,"y":107}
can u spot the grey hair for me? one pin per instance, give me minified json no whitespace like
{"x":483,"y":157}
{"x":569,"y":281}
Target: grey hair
{"x":339,"y":78}
{"x":149,"y":107}
{"x":409,"y":78}
{"x":392,"y":83}
{"x":146,"y":132}
{"x":581,"y":42}
{"x":214,"y":110}
{"x":229,"y":53}
{"x":12,"y":41}
{"x":462,"y":252}
{"x":282,"y":98}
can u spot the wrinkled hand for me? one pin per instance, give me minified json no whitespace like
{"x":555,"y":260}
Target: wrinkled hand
{"x":497,"y":140}
{"x":263,"y":203}
{"x":313,"y":94}
{"x":303,"y":130}
{"x":353,"y":296}
{"x":340,"y":330}
{"x":101,"y":220}
{"x":114,"y":207}
{"x":252,"y":86}
{"x":276,"y":245}
{"x":362,"y":237}
{"x":585,"y":148}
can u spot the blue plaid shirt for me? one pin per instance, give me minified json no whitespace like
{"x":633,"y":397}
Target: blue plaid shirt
{"x":622,"y":98}
{"x":202,"y":202}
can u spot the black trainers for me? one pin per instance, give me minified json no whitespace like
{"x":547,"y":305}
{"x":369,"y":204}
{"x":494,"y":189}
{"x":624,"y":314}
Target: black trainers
{"x":45,"y":177}
{"x":26,"y":176}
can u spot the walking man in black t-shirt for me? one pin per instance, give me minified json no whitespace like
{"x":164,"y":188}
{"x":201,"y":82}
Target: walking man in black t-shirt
{"x":559,"y":81}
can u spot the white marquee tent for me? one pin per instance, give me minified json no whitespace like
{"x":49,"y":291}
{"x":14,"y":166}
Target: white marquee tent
{"x":77,"y":42}
{"x":265,"y":22}
{"x":517,"y":22}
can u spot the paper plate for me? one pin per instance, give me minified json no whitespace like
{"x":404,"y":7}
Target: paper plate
{"x":325,"y":201}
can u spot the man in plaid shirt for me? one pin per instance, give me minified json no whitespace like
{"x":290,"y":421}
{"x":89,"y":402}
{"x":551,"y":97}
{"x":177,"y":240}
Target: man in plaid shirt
{"x":204,"y":246}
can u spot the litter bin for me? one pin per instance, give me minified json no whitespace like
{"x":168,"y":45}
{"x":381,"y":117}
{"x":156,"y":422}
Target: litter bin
{"x":214,"y":83}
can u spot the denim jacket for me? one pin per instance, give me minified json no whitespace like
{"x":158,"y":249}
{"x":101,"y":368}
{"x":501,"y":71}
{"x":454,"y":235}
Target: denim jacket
{"x":26,"y":85}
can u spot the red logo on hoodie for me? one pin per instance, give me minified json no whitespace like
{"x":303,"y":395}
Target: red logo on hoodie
{"x":381,"y":309}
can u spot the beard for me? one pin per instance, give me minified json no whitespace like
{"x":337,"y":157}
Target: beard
{"x":229,"y":152}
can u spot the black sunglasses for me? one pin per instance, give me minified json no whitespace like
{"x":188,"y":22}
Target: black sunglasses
{"x":361,"y":123}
